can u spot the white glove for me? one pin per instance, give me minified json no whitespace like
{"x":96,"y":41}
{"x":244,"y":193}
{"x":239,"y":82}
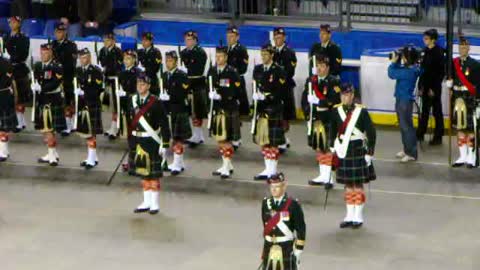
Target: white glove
{"x":449,"y":83}
{"x":121,"y":93}
{"x":6,"y":56}
{"x":313,"y":99}
{"x":332,"y":150}
{"x":36,"y":88}
{"x":183,"y":68}
{"x":314,"y":70}
{"x":141,"y":67}
{"x":477,"y":112}
{"x":164,"y":97}
{"x":214,"y":95}
{"x":297,"y":253}
{"x":162,"y":151}
{"x":258,"y":96}
{"x":368,"y":159}
{"x":79,"y":92}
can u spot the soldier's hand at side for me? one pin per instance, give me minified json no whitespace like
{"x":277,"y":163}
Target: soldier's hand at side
{"x":477,"y":112}
{"x":36,"y":88}
{"x":449,"y":83}
{"x":297,"y":253}
{"x":431,"y":93}
{"x":368,"y":159}
{"x":313,"y":99}
{"x":79,"y":92}
{"x":162,"y":151}
{"x":121,"y":93}
{"x":258,"y":96}
{"x":165,"y":97}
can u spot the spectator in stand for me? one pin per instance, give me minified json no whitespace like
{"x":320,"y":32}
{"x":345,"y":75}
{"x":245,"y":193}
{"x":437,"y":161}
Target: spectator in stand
{"x":67,"y":12}
{"x":21,"y":8}
{"x":94,"y":16}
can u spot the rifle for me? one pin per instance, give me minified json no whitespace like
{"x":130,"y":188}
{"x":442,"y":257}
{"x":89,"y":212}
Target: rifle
{"x":75,"y":86}
{"x":118,"y":166}
{"x":34,"y":102}
{"x":210,"y":112}
{"x":255,"y":104}
{"x":116,"y":85}
{"x":310,"y":122}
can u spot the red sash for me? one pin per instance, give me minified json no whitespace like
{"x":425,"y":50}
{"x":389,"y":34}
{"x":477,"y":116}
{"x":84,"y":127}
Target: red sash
{"x":275,"y":219}
{"x":319,"y":93}
{"x":141,"y":112}
{"x":463,"y":78}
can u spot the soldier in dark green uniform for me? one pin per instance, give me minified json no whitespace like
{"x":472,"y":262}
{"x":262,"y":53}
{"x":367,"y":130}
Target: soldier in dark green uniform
{"x":194,"y":58}
{"x":225,"y":122}
{"x":284,"y":228}
{"x":329,"y":48}
{"x":175,"y":98}
{"x":270,"y":94}
{"x":90,"y":81}
{"x":49,"y":112}
{"x":18,"y":46}
{"x":151,"y":136}
{"x":325,"y":93}
{"x":285,"y":57}
{"x":150,"y":58}
{"x":466,"y":85}
{"x":352,"y":137}
{"x":8,"y":120}
{"x":65,"y":53}
{"x":238,"y":58}
{"x":128,"y":88}
{"x":111,"y":60}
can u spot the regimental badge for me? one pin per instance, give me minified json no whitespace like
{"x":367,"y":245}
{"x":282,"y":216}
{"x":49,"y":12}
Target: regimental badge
{"x":237,"y":84}
{"x":224,"y":82}
{"x":294,"y":63}
{"x":271,"y":78}
{"x":467,"y":71}
{"x":158,"y":60}
{"x":282,"y":81}
{"x":184,"y":85}
{"x":339,"y":60}
{"x":337,"y":89}
{"x":59,"y":76}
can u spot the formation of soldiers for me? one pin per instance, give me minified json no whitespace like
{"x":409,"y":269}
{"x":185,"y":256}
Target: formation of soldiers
{"x":160,"y":105}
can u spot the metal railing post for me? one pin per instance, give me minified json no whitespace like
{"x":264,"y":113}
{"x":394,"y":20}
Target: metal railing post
{"x":459,"y":16}
{"x":349,"y":17}
{"x":340,"y":13}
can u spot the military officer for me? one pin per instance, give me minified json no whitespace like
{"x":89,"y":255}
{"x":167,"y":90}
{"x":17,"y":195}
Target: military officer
{"x":8,"y":120}
{"x":329,"y":48}
{"x":150,"y":58}
{"x":49,"y":112}
{"x":270,"y":93}
{"x":225,"y":122}
{"x":322,"y":92}
{"x":151,"y":136}
{"x":284,"y":228}
{"x":65,"y":53}
{"x":285,"y":57}
{"x":174,"y":96}
{"x":17,"y":45}
{"x":90,"y":82}
{"x":194,"y":58}
{"x":111,"y":60}
{"x":465,"y":84}
{"x":353,"y":139}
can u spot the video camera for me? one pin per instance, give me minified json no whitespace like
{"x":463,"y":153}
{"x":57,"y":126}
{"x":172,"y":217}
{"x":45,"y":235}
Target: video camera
{"x":410,"y":52}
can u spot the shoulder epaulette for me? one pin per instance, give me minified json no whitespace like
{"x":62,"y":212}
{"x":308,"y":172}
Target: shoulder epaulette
{"x":360,"y":105}
{"x":337,"y":105}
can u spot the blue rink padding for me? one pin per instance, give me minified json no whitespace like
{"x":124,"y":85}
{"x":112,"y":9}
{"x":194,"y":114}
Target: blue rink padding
{"x":4,"y":25}
{"x":33,"y":27}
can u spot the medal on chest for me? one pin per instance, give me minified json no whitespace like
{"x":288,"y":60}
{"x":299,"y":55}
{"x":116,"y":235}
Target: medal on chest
{"x":467,"y":71}
{"x":89,"y":79}
{"x":325,"y":90}
{"x":47,"y":75}
{"x":224,"y":82}
{"x":285,"y":215}
{"x":271,"y":78}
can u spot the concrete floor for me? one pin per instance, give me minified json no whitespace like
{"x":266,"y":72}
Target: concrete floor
{"x":45,"y":225}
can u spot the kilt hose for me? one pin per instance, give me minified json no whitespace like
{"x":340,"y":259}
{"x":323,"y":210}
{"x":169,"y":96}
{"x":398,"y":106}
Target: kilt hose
{"x":244,"y":108}
{"x":147,"y":162}
{"x":199,"y":107}
{"x":90,"y":119}
{"x":180,"y":126}
{"x":269,"y":131}
{"x":49,"y":114}
{"x":8,"y":117}
{"x":353,"y":169}
{"x":463,"y":108}
{"x":226,"y":126}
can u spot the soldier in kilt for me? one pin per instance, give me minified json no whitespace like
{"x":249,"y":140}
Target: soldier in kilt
{"x":238,"y":59}
{"x":17,"y":45}
{"x":111,"y":60}
{"x":174,"y":96}
{"x":194,"y":58}
{"x":271,"y":88}
{"x":151,"y":137}
{"x":8,"y":119}
{"x":466,"y":84}
{"x":225,"y":119}
{"x":90,"y":81}
{"x":49,"y":113}
{"x":353,"y":138}
{"x":128,"y":88}
{"x":65,"y":53}
{"x":325,"y":94}
{"x":285,"y":57}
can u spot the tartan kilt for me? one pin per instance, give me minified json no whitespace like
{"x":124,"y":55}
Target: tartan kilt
{"x":180,"y":126}
{"x":353,"y":168}
{"x":90,"y":121}
{"x":231,"y":131}
{"x":465,"y":114}
{"x":200,"y":101}
{"x":146,"y":160}
{"x":50,"y":118}
{"x":275,"y":128}
{"x":289,"y":111}
{"x":8,"y":117}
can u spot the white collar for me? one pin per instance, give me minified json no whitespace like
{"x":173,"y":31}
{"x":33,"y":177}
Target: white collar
{"x":221,"y":69}
{"x":172,"y":71}
{"x":267,"y":66}
{"x":47,"y":63}
{"x":326,"y":44}
{"x":281,"y":47}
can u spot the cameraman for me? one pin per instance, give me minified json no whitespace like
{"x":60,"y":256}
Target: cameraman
{"x":405,"y":71}
{"x":430,"y":86}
